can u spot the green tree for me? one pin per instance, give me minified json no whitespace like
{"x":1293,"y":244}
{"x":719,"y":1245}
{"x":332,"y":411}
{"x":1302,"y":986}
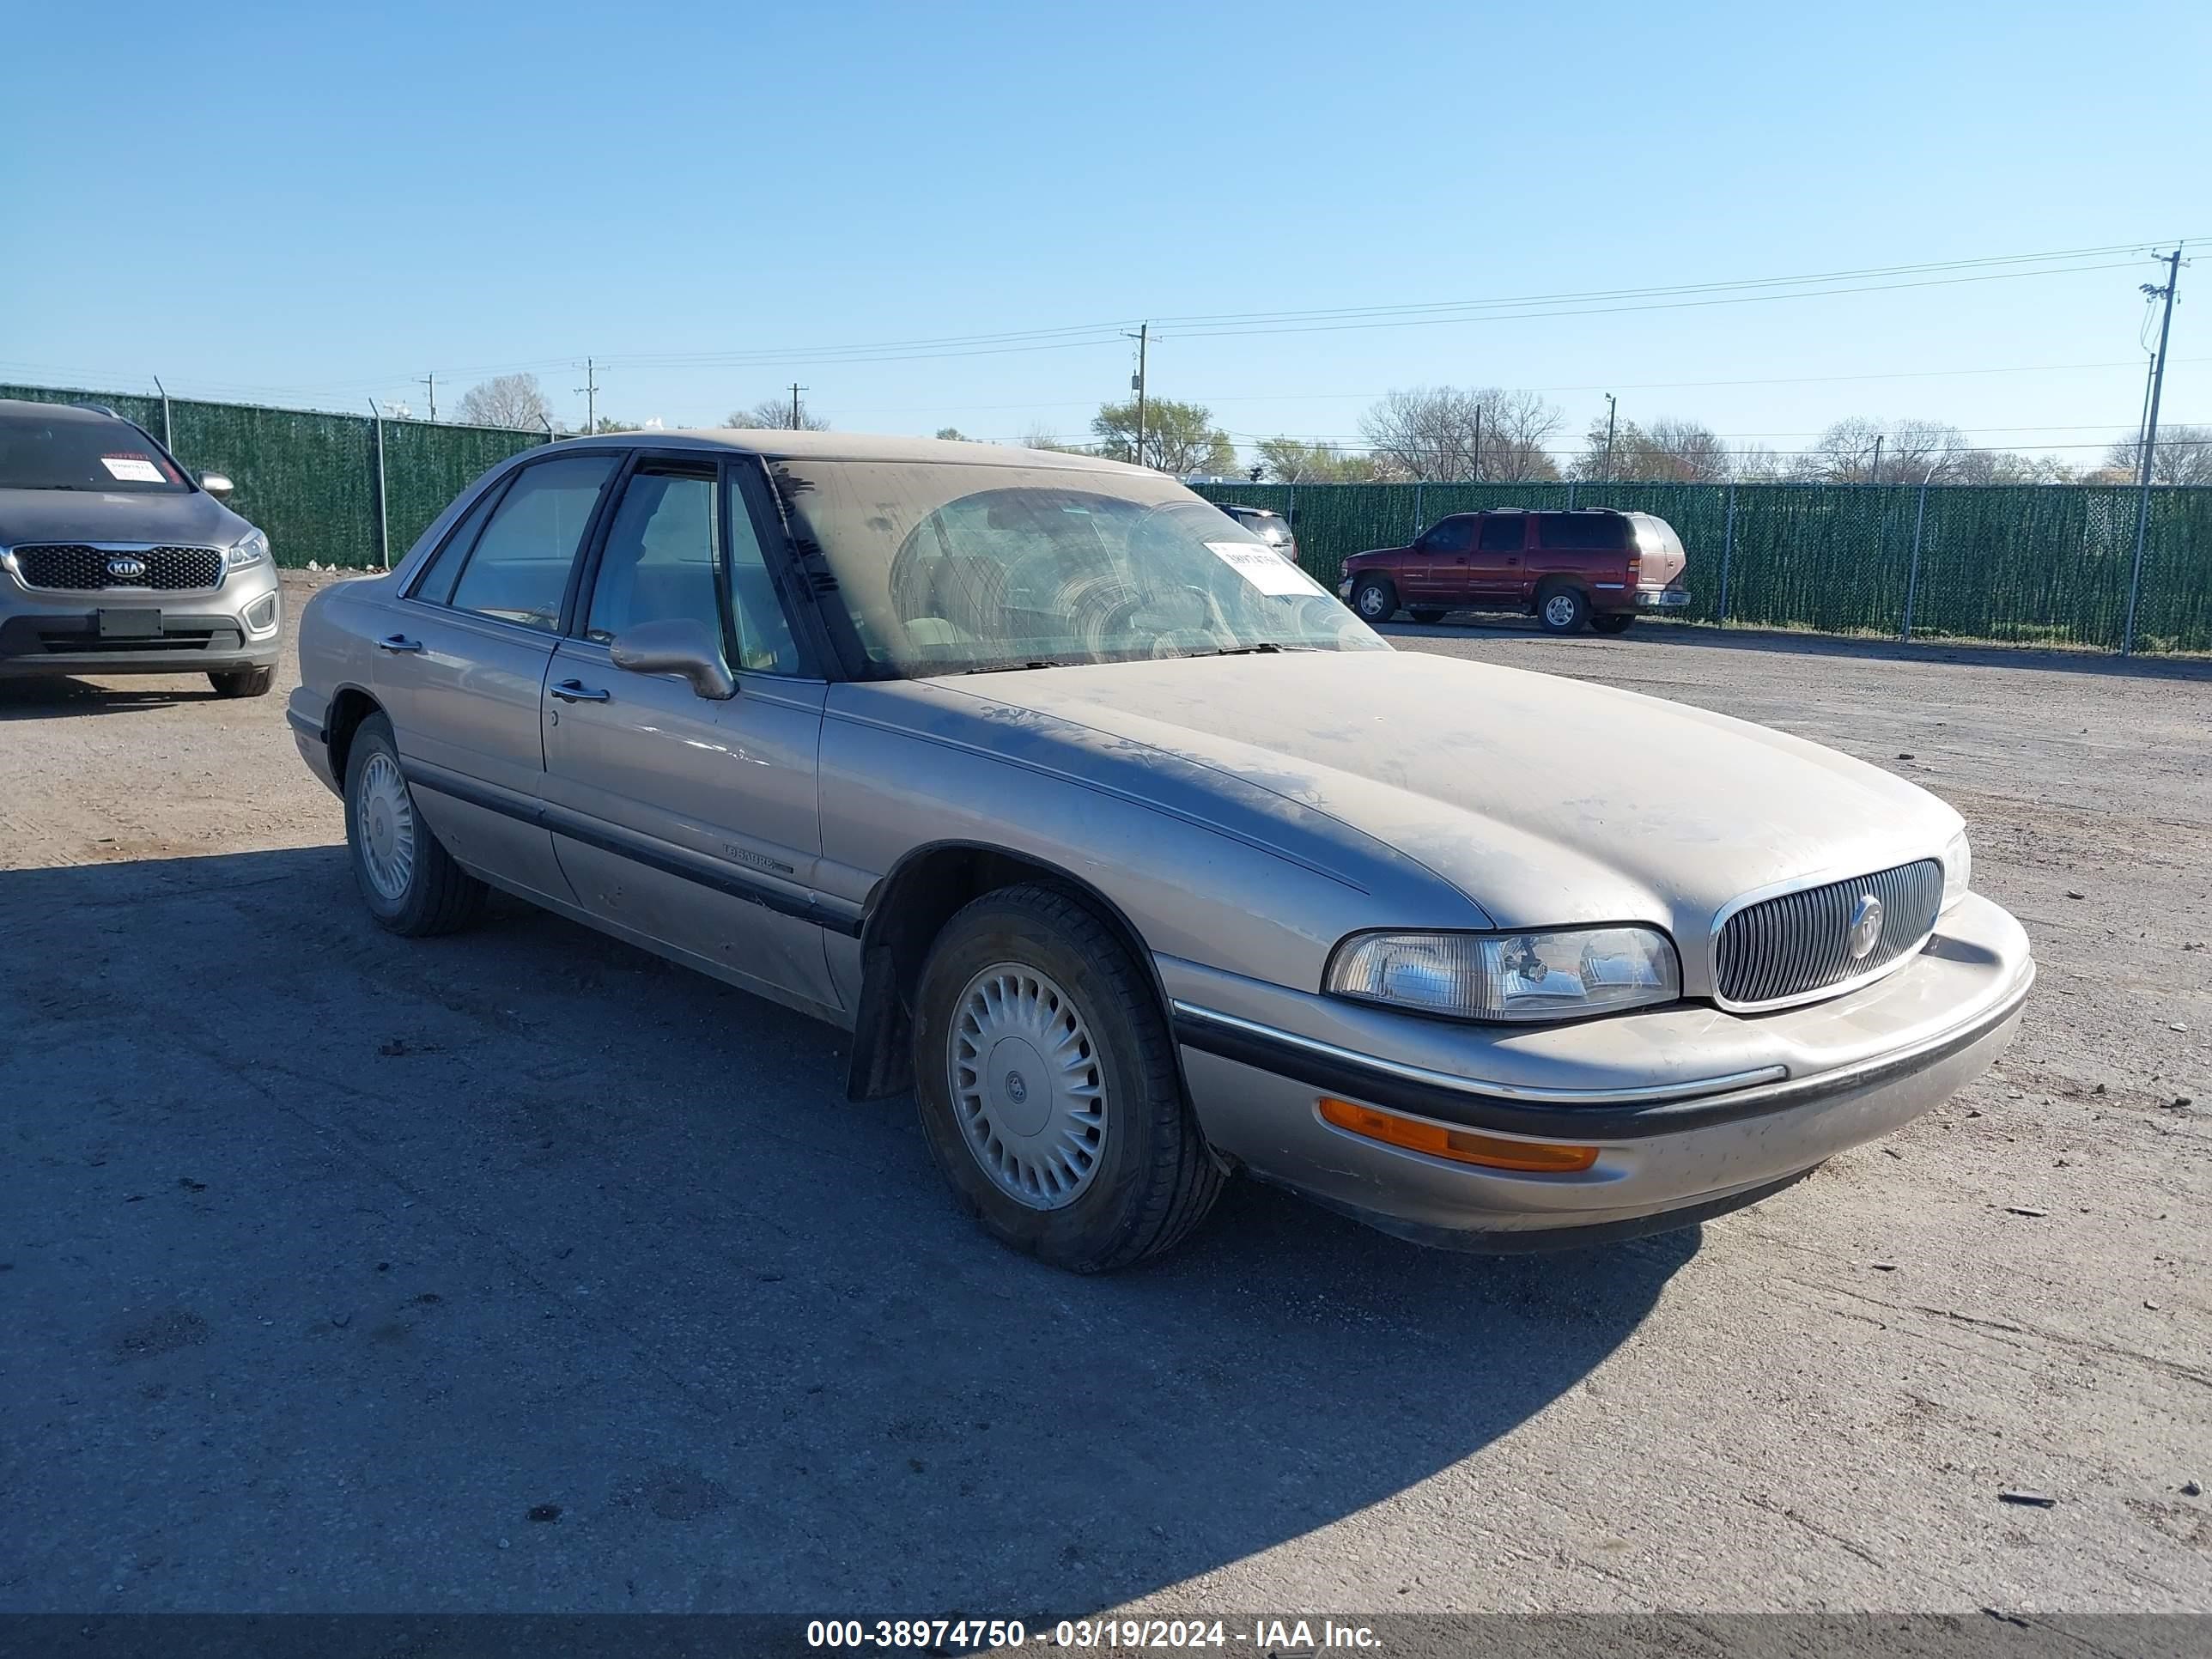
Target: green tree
{"x":1179,"y":438}
{"x":1294,"y":460}
{"x":954,"y":434}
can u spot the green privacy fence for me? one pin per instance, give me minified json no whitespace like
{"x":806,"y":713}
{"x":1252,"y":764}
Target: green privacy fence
{"x":2031,"y":564}
{"x":310,"y":479}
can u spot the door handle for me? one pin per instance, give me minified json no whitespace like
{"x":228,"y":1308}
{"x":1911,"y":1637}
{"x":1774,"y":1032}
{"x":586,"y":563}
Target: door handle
{"x":399,"y":642}
{"x":575,"y":691}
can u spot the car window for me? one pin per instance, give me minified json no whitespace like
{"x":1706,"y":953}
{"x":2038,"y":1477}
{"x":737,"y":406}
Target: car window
{"x":764,"y":642}
{"x":66,"y":449}
{"x":659,"y":563}
{"x":520,"y":569}
{"x":1449,"y":536}
{"x":1582,"y":532}
{"x":435,"y":584}
{"x":1501,"y":534}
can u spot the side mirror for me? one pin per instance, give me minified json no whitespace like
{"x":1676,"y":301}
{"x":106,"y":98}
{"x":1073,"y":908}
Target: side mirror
{"x":216,"y":484}
{"x":677,"y":646}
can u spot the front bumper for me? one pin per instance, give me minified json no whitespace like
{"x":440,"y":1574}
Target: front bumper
{"x":1693,"y":1111}
{"x":45,"y":631}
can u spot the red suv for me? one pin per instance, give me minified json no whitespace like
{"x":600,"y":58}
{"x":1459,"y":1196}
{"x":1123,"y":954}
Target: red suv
{"x":1593,"y":565}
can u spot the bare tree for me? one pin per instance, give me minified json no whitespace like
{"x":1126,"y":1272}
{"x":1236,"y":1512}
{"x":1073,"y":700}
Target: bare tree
{"x":1439,"y":433}
{"x":509,"y":400}
{"x":2184,"y":456}
{"x":1669,"y":451}
{"x":1995,"y":466}
{"x":774,"y":415}
{"x":1294,"y":460}
{"x":1909,"y":450}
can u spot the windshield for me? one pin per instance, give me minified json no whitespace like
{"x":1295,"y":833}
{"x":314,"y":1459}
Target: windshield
{"x":67,"y":451}
{"x":949,"y":569}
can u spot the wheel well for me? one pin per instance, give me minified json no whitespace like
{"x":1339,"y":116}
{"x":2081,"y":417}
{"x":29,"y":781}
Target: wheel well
{"x":908,"y":910}
{"x":347,"y":710}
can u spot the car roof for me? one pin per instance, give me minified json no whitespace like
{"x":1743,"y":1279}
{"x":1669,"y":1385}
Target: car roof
{"x":80,"y":412}
{"x":778,"y":445}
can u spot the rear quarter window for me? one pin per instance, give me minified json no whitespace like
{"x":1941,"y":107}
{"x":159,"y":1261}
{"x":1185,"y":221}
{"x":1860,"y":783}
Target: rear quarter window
{"x":1583,"y":532}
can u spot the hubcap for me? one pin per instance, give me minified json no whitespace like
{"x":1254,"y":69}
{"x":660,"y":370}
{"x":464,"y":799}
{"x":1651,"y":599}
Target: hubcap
{"x":385,"y":815}
{"x":1558,"y":610}
{"x":1370,"y":601}
{"x":1027,"y":1085}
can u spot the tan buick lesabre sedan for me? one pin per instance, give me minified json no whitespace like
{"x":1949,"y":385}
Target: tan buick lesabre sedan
{"x":1136,"y":856}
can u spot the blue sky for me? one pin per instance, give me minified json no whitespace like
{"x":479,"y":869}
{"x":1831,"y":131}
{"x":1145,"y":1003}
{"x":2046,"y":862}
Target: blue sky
{"x":296,"y":204}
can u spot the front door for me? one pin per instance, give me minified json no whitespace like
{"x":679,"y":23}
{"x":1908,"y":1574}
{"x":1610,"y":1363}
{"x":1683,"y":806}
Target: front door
{"x":462,"y":669}
{"x":1436,"y":572}
{"x":686,"y":821}
{"x":1495,"y":568}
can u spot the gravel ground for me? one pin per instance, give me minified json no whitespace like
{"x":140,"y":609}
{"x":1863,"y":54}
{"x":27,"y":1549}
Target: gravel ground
{"x":517,"y":1271}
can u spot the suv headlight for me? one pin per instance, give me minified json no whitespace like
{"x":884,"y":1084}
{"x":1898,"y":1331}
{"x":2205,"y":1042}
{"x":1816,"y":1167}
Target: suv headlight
{"x":1513,"y":977}
{"x":253,"y":549}
{"x":1957,"y":869}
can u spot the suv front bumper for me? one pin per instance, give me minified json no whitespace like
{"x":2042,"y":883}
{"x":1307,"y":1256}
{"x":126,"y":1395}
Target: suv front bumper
{"x":136,"y":630}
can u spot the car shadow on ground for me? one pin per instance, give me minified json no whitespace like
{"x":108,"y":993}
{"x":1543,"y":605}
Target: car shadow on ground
{"x":521,"y":1270}
{"x":1477,"y":624}
{"x":47,"y":696}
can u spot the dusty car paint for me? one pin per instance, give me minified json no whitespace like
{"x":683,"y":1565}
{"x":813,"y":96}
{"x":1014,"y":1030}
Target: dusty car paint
{"x":1242,"y":816}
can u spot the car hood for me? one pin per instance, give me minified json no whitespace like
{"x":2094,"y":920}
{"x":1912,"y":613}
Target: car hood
{"x":1543,"y":801}
{"x":73,"y":515}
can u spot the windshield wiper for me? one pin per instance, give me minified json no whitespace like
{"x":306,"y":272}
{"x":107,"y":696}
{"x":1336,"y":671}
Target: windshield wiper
{"x":1265,"y":648}
{"x":1016,"y":667}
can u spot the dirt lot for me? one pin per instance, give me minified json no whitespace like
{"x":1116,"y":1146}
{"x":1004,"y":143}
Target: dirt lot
{"x":518,"y":1271}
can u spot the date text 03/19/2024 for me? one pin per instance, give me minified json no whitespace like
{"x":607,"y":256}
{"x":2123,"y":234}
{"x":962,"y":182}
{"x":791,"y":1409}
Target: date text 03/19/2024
{"x":1263,"y":1634}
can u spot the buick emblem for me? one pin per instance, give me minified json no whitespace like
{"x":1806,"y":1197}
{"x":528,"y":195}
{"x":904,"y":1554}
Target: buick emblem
{"x":124,"y":568}
{"x":1018,"y":1089}
{"x":1866,"y":926}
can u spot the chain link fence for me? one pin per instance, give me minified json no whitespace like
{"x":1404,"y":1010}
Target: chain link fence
{"x":2024,"y":564}
{"x":333,"y":489}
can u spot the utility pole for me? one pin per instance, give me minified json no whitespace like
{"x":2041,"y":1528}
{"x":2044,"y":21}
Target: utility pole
{"x":2150,"y":439}
{"x":431,"y":380}
{"x":1474,"y":461}
{"x":591,"y":391}
{"x":1874,"y":476}
{"x":1611,"y":408}
{"x":1143,"y":337}
{"x":795,"y":390}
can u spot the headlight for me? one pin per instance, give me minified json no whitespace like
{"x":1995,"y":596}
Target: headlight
{"x":253,"y":549}
{"x":1516,"y":977}
{"x":1957,"y":869}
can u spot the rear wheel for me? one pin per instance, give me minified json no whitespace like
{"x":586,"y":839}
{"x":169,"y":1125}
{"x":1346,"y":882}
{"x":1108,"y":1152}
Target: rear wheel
{"x":409,"y":883}
{"x":1374,"y":599}
{"x":1562,"y":610}
{"x":243,"y":682}
{"x":1427,"y":613}
{"x":1046,"y":1084}
{"x":1618,"y":623}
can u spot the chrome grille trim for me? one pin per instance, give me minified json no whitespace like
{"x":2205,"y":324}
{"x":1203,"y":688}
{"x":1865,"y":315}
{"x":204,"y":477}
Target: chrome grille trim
{"x":1776,"y":950}
{"x":81,"y":567}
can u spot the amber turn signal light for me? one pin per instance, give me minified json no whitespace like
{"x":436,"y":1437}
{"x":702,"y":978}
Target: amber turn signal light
{"x":1461,"y":1145}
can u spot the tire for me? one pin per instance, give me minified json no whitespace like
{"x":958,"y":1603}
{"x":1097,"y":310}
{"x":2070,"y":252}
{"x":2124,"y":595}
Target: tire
{"x":243,"y":682}
{"x":1619,"y":622}
{"x":1427,"y":614}
{"x":1561,"y":609}
{"x":1374,"y":599}
{"x":434,"y":895}
{"x":1033,"y":962}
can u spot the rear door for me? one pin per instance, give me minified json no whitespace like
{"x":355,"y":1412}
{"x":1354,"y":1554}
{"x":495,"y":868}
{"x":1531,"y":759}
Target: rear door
{"x":462,"y":669}
{"x":683,"y":820}
{"x":1495,"y":569}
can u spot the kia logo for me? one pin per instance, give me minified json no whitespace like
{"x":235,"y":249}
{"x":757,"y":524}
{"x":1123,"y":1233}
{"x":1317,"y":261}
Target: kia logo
{"x":1866,"y":926}
{"x":125,"y":568}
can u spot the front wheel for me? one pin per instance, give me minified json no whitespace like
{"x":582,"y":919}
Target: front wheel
{"x":1046,"y":1084}
{"x":409,"y":883}
{"x":1374,"y":599}
{"x":1618,"y":623}
{"x":243,"y":682}
{"x":1562,"y":610}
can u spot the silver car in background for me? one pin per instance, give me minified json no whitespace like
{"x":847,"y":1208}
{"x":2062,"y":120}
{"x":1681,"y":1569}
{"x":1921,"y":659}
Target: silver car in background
{"x":114,"y":560}
{"x":1135,"y":855}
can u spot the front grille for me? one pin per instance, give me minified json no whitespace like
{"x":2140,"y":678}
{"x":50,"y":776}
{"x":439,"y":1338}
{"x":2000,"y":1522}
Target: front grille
{"x":78,"y":567}
{"x":1785,"y":948}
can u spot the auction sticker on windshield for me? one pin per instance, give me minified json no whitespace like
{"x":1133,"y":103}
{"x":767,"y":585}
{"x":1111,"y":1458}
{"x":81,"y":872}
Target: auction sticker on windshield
{"x":1265,"y":568}
{"x":132,"y":469}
